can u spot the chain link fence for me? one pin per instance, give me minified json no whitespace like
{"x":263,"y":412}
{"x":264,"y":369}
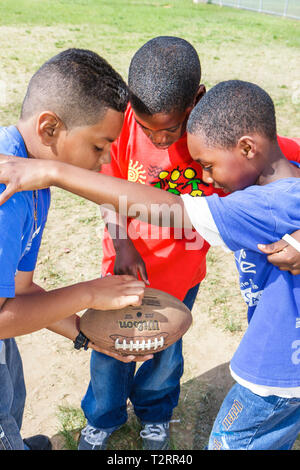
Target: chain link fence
{"x":287,"y":8}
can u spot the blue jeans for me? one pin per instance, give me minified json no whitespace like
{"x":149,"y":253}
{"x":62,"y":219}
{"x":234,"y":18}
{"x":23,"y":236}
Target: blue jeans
{"x":12,"y":396}
{"x":251,"y":422}
{"x":153,"y":390}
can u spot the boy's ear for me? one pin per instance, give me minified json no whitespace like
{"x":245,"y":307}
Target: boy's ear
{"x":49,"y":125}
{"x":247,"y":146}
{"x":200,"y":93}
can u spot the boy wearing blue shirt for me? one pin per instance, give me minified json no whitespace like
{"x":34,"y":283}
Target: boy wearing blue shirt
{"x":72,"y":111}
{"x":239,"y":151}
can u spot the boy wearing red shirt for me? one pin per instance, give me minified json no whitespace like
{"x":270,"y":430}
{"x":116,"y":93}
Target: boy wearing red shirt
{"x":164,"y":79}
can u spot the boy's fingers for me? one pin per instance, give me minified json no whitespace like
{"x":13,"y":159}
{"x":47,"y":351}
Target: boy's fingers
{"x":117,"y":356}
{"x":128,"y":278}
{"x":133,"y":282}
{"x":282,"y":255}
{"x":143,"y":274}
{"x":7,"y":193}
{"x":142,"y":358}
{"x":130,"y":300}
{"x":272,"y":248}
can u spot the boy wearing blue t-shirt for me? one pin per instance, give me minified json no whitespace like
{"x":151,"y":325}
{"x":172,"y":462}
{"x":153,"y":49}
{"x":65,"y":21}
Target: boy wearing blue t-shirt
{"x":232,"y":134}
{"x":72,"y":111}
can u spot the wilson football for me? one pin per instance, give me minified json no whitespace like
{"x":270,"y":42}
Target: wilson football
{"x":160,"y":321}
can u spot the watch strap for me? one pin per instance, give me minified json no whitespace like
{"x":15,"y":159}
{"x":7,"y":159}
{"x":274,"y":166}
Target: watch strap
{"x":81,"y":341}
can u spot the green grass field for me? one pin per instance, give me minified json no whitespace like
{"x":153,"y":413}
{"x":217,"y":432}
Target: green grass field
{"x":231,"y":44}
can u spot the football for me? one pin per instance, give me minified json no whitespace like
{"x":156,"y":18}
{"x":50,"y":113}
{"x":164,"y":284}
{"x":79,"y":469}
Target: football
{"x":160,"y":321}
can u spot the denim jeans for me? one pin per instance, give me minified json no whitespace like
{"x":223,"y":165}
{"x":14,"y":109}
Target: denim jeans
{"x":12,"y":396}
{"x":153,"y":390}
{"x":247,"y":421}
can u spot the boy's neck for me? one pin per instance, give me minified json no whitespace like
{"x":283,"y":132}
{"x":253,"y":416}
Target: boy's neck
{"x":278,"y":166}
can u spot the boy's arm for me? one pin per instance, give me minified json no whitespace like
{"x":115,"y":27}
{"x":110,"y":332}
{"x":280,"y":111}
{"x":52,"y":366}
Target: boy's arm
{"x":246,"y":216}
{"x":25,"y":285}
{"x":127,"y":198}
{"x":127,"y":260}
{"x":67,"y":327}
{"x":36,"y":309}
{"x":102,"y":189}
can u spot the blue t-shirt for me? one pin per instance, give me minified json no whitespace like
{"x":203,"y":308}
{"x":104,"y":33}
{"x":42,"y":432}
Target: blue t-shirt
{"x":20,"y":234}
{"x":269,"y":353}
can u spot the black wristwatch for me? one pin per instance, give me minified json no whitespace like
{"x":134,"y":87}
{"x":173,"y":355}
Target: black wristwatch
{"x":81,"y":341}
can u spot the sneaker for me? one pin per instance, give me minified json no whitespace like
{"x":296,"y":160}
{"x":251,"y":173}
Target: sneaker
{"x":156,"y":436}
{"x":93,"y":438}
{"x":39,"y":442}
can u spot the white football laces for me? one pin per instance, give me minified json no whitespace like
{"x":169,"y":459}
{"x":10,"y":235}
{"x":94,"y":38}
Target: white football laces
{"x":139,"y":345}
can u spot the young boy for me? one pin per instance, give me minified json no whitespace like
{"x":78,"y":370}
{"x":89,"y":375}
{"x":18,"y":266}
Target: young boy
{"x":232,"y":134}
{"x":164,"y":80}
{"x":72,"y":111}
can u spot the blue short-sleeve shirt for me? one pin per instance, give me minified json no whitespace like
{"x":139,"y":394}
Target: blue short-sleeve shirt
{"x":20,"y":231}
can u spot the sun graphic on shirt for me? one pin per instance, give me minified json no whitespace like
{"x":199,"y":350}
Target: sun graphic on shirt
{"x":136,"y":172}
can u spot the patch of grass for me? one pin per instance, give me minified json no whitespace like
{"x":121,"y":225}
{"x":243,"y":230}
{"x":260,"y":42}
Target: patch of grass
{"x":71,"y":421}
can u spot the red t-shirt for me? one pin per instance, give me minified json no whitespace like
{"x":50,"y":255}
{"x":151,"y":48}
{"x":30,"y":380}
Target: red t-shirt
{"x":175,"y":261}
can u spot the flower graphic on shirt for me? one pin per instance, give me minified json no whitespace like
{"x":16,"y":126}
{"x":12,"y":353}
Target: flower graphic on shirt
{"x":169,"y":180}
{"x":136,"y":172}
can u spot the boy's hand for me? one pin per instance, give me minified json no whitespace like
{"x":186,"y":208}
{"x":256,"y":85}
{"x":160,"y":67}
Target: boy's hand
{"x":119,"y":357}
{"x":283,"y":255}
{"x":112,"y":293}
{"x":116,"y":292}
{"x":129,"y":261}
{"x":24,"y":174}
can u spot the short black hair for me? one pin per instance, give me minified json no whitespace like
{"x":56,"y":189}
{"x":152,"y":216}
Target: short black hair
{"x":230,"y":110}
{"x":164,"y":76}
{"x":78,"y":85}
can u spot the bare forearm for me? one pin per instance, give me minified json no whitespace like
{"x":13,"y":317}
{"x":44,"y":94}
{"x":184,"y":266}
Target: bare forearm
{"x":144,"y":202}
{"x":27,"y":313}
{"x":130,"y":199}
{"x":66,"y":327}
{"x":116,"y":225}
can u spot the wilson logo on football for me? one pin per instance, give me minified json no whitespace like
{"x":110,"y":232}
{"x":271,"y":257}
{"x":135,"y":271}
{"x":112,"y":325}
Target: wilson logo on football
{"x":144,"y":325}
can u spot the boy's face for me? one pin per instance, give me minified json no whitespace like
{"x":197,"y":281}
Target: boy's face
{"x":227,"y":169}
{"x":89,"y":146}
{"x":163,"y":129}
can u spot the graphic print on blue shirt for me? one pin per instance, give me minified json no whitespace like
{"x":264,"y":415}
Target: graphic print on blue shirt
{"x":19,"y":238}
{"x":269,"y":352}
